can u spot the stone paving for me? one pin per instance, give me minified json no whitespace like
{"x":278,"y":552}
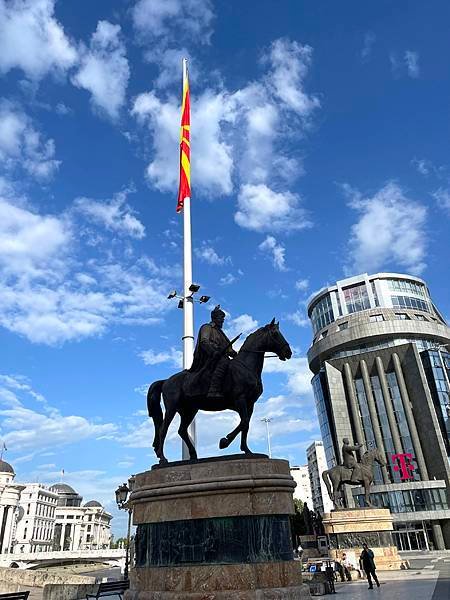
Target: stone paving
{"x":432,"y":582}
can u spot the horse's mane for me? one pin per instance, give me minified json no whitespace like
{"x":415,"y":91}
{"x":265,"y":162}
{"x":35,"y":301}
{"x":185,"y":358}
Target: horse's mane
{"x":250,"y":338}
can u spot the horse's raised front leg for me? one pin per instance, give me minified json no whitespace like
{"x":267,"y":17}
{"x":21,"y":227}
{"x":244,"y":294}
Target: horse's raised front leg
{"x":168,"y":418}
{"x":226,"y":441}
{"x":187,"y":417}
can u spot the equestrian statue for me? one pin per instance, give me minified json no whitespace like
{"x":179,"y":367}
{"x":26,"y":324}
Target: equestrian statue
{"x":219,"y":379}
{"x":352,"y":472}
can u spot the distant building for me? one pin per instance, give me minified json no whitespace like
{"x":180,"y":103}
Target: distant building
{"x":317,"y":464}
{"x":79,"y":527}
{"x":35,"y":519}
{"x":9,"y":506}
{"x":381,"y":363}
{"x":303,"y":490}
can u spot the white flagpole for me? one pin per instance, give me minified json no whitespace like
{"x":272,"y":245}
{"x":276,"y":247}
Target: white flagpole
{"x":188,"y":303}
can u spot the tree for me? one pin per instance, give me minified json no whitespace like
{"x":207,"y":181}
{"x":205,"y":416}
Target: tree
{"x":297,"y":521}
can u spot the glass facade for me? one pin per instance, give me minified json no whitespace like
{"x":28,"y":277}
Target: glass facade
{"x":384,"y":426}
{"x":437,"y":369}
{"x":389,"y":343}
{"x":367,"y":425}
{"x":401,"y":501}
{"x":324,"y":417}
{"x":410,"y":302}
{"x":322,"y":314}
{"x":356,"y":298}
{"x":410,"y":287}
{"x":400,"y":417}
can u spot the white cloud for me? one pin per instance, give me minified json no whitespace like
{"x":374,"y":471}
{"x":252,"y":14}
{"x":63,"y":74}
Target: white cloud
{"x":30,"y":244}
{"x":51,"y":291}
{"x":241,"y":139}
{"x":173,"y":20}
{"x":423,"y":166}
{"x":212,"y":161}
{"x":412,"y":63}
{"x":290,"y":62}
{"x":22,"y":146}
{"x":104,"y":69}
{"x":25,"y":429}
{"x":369,"y":40}
{"x":275,"y":251}
{"x":297,"y":373}
{"x":390,"y":231}
{"x":242,"y":324}
{"x":31,"y":39}
{"x":299,"y":318}
{"x":206,"y":253}
{"x":262,"y":209}
{"x":302,"y":285}
{"x":115,"y":214}
{"x":173,"y":357}
{"x":227,"y":279}
{"x":442,"y":196}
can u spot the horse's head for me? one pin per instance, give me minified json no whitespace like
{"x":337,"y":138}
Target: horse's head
{"x":276,"y":341}
{"x":374,"y":455}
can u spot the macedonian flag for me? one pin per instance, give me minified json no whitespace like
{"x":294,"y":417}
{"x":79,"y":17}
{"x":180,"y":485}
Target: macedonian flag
{"x":184,"y":190}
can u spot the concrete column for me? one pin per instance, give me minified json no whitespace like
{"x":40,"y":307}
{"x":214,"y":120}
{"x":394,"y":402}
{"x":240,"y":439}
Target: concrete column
{"x":3,"y":529}
{"x":410,"y":417}
{"x":438,"y":537}
{"x":373,"y":416}
{"x":389,"y":407}
{"x":61,"y":539}
{"x":353,"y":404}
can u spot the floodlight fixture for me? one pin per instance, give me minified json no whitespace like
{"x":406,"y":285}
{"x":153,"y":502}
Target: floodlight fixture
{"x":204,"y":299}
{"x":181,"y":304}
{"x":194,"y":288}
{"x":173,"y":294}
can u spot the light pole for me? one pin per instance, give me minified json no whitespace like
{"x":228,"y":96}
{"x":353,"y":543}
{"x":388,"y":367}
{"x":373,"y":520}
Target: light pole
{"x":124,"y":504}
{"x":267,"y":420}
{"x":186,"y":303}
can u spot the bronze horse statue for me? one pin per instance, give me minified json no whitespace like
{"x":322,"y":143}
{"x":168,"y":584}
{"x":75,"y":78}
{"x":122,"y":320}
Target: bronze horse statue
{"x":335,"y":477}
{"x":243,"y":387}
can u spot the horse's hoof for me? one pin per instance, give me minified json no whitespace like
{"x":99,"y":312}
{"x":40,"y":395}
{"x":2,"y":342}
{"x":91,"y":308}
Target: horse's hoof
{"x":224,"y":443}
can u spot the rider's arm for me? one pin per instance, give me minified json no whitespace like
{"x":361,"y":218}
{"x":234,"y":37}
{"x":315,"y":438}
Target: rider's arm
{"x":205,"y":340}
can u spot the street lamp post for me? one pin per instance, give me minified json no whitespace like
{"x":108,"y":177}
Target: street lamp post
{"x":124,"y":504}
{"x":267,"y":420}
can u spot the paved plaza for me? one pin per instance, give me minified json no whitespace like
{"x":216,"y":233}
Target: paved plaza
{"x":428,"y":579}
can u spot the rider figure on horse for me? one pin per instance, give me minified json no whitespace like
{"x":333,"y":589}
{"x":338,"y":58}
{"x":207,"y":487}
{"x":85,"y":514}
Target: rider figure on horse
{"x":213,"y":347}
{"x":349,"y":461}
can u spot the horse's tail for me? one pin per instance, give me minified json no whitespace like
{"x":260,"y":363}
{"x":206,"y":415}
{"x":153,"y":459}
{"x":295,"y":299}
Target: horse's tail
{"x":154,"y":407}
{"x":327,"y":480}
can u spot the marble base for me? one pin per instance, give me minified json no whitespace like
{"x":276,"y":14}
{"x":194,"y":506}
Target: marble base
{"x":215,"y":530}
{"x":349,"y":529}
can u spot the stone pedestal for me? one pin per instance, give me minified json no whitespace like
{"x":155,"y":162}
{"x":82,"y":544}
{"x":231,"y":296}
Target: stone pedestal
{"x":349,"y":529}
{"x":216,"y":529}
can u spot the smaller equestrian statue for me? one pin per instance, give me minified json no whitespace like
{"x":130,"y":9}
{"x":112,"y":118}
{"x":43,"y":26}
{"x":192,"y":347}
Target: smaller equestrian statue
{"x":220,"y":379}
{"x":351,"y":472}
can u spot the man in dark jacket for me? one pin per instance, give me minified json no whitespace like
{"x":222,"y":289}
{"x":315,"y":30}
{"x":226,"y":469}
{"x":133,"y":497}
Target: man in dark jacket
{"x":368,"y":564}
{"x":213,"y":348}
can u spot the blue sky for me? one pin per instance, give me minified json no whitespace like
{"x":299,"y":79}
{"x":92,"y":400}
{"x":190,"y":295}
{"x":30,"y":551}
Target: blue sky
{"x":320,"y":137}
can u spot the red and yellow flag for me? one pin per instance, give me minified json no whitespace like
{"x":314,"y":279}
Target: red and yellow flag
{"x":184,"y":190}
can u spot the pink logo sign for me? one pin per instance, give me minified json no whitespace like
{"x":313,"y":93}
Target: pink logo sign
{"x":404,"y":465}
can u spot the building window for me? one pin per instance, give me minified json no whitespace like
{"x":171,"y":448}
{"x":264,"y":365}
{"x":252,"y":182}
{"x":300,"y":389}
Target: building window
{"x":421,"y":318}
{"x":343,"y":326}
{"x":375,"y":318}
{"x":409,"y":302}
{"x":410,"y":287}
{"x":356,"y":298}
{"x":402,"y":316}
{"x":322,"y":313}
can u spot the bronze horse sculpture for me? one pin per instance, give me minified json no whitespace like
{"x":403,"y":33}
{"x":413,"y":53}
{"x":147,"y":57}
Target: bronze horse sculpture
{"x":335,"y":477}
{"x":242,"y":389}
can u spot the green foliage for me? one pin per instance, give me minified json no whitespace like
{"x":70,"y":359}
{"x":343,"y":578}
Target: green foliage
{"x":297,"y":521}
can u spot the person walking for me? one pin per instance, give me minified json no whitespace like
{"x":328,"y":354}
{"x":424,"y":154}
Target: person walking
{"x":368,"y":564}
